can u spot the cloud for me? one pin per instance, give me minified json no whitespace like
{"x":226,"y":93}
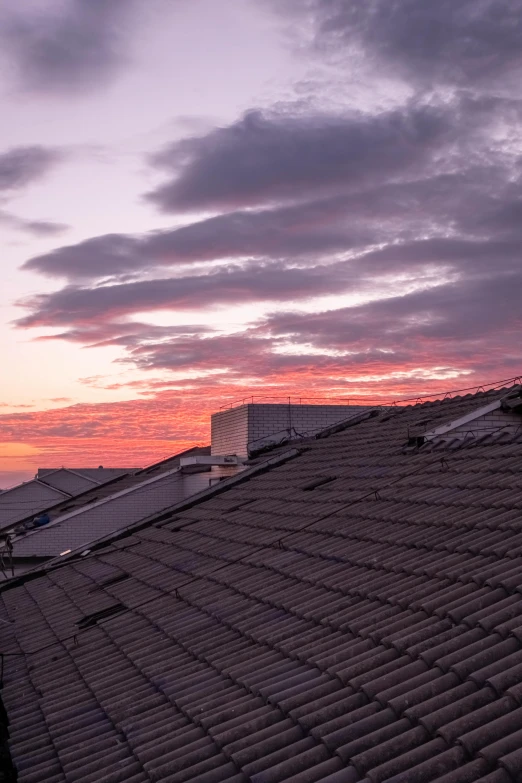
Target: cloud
{"x":464,"y":258}
{"x":39,"y":228}
{"x":77,"y":306}
{"x":300,"y":231}
{"x":124,"y":333}
{"x":462,"y":322}
{"x":21,"y":166}
{"x":469,"y":309}
{"x":69,"y":46}
{"x":466,"y":202}
{"x":472,"y":323}
{"x":464,"y":43}
{"x":468,"y":256}
{"x":426,"y":196}
{"x":264,"y":159}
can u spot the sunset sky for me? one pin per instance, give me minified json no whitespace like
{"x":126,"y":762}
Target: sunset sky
{"x":207,"y":199}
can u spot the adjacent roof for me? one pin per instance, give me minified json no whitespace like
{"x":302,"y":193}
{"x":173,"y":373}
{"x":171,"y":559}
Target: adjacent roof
{"x":49,"y":488}
{"x":106,"y":508}
{"x":351,"y":612}
{"x":115,"y":483}
{"x":25,"y":500}
{"x":99,"y":475}
{"x":79,"y":528}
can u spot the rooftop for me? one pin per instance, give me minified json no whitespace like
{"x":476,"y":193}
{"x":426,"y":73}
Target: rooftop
{"x":348,"y":610}
{"x":100,"y":509}
{"x":49,"y":488}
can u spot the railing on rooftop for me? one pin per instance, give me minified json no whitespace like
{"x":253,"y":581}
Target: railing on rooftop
{"x":260,"y":399}
{"x":382,"y":401}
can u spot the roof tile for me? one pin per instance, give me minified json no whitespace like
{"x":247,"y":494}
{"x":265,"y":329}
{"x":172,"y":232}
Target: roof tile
{"x":275,"y":637}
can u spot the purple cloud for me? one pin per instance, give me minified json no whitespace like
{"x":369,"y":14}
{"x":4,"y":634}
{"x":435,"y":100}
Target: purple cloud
{"x":73,"y":305}
{"x":470,"y":310}
{"x":264,"y":159}
{"x":464,"y":42}
{"x":292,"y":232}
{"x":310,"y":204}
{"x":77,"y":45}
{"x":21,"y":166}
{"x":457,"y":324}
{"x":38,"y":228}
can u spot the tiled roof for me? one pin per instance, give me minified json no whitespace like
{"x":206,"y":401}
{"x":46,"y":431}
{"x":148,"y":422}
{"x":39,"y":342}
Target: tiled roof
{"x":352,"y":614}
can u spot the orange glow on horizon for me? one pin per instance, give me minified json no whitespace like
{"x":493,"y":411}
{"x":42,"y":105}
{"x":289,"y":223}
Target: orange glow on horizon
{"x":164,"y":421}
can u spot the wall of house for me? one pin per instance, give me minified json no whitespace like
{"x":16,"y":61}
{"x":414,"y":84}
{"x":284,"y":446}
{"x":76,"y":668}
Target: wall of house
{"x":234,"y":430}
{"x":229,"y":431}
{"x":268,"y":419}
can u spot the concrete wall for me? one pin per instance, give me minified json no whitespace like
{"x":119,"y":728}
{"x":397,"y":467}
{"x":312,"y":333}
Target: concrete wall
{"x":229,"y":431}
{"x":233,"y":430}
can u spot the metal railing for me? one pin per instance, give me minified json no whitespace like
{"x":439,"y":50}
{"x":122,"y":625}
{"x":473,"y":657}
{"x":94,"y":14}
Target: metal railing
{"x":259,"y":399}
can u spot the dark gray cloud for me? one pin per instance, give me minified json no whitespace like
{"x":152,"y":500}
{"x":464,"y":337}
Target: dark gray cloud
{"x":21,"y":166}
{"x":126,"y":333}
{"x":478,"y":206}
{"x":473,"y":323}
{"x":76,"y":44}
{"x":458,"y":318}
{"x":75,"y":305}
{"x":468,"y":256}
{"x":307,"y":230}
{"x":266,"y":159}
{"x":461,"y":42}
{"x":98,"y":257}
{"x":458,"y":323}
{"x":429,"y":193}
{"x":237,"y":354}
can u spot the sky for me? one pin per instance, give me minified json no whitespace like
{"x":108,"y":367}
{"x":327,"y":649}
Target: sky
{"x":204,"y":200}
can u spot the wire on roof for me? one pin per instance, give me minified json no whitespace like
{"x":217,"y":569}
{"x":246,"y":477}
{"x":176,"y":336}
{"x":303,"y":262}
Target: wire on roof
{"x":490,"y":386}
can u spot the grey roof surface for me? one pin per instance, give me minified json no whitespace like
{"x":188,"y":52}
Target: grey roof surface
{"x":99,"y":475}
{"x":119,"y":510}
{"x":352,"y":614}
{"x":69,"y":481}
{"x":119,"y":483}
{"x":24,"y":500}
{"x":52,"y":488}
